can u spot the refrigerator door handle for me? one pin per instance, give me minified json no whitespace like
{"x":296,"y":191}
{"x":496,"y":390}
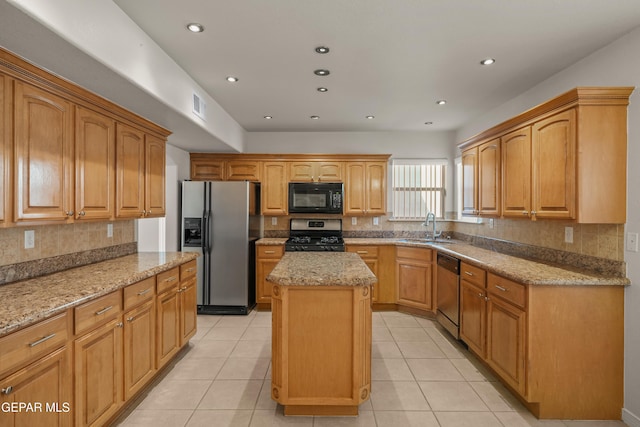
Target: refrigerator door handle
{"x":210,"y":232}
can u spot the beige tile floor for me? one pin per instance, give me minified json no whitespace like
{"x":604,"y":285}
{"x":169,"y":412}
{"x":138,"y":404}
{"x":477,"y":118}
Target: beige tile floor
{"x":419,"y":378}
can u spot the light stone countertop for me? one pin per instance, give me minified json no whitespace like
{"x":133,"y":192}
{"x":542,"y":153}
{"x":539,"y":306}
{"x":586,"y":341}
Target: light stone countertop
{"x":321,"y":269}
{"x":28,"y":301}
{"x":511,"y":267}
{"x":271,"y":241}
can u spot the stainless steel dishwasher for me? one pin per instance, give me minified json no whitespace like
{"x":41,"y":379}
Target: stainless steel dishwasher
{"x":448,"y":293}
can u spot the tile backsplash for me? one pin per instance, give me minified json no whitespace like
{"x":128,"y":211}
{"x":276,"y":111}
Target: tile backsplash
{"x":63,"y":239}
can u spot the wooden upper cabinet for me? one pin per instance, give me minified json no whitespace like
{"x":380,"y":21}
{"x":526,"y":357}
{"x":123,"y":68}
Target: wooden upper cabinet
{"x":5,"y":150}
{"x":470,"y":181}
{"x":553,"y":150}
{"x":274,"y":192}
{"x":207,"y":169}
{"x":95,"y":165}
{"x":43,"y":155}
{"x":155,"y":166}
{"x":489,"y":178}
{"x":310,"y":171}
{"x":516,"y":173}
{"x":365,"y":188}
{"x":243,"y":170}
{"x":130,"y":170}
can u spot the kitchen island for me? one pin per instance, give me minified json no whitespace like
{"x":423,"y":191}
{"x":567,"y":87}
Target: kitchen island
{"x":321,"y":333}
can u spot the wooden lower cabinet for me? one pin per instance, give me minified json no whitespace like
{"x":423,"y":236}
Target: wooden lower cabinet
{"x":139,"y":348}
{"x":414,"y":277}
{"x":381,"y":261}
{"x":473,"y":317}
{"x":46,"y":381}
{"x":188,"y":310}
{"x":98,"y":374}
{"x":167,"y":326}
{"x":267,"y":257}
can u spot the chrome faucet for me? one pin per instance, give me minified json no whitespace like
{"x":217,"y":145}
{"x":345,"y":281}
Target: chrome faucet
{"x":431,"y":217}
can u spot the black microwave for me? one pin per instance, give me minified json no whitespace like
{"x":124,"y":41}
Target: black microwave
{"x":316,"y":197}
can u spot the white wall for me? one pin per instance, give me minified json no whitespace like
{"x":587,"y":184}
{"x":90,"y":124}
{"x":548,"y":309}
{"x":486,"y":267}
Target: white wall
{"x":615,"y":65}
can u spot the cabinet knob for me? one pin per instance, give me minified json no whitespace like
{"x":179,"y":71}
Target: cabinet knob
{"x":69,"y":213}
{"x":119,"y":325}
{"x":7,"y":390}
{"x":130,"y":319}
{"x":144,"y":212}
{"x":82,"y":213}
{"x":149,"y":212}
{"x":533,"y":213}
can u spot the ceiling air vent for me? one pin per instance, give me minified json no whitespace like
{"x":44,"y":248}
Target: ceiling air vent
{"x":199,"y":107}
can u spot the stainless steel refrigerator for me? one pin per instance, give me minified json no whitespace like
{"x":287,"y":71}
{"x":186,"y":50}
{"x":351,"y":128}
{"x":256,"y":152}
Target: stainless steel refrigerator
{"x":221,"y":221}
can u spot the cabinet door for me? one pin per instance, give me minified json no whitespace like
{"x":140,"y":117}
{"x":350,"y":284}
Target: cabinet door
{"x":553,"y":143}
{"x":46,"y":381}
{"x":167,"y":326}
{"x":243,"y":170}
{"x":207,"y":170}
{"x":473,"y":317}
{"x":489,"y":178}
{"x":139,"y":348}
{"x":376,"y":188}
{"x":6,"y":120}
{"x":154,"y":176}
{"x":95,"y":165}
{"x":369,"y":255}
{"x":329,"y":171}
{"x":355,"y":189}
{"x":267,"y":259}
{"x":506,"y":341}
{"x":43,"y":155}
{"x":470,"y":182}
{"x":301,"y":171}
{"x":130,"y":182}
{"x":414,"y":276}
{"x":98,"y":378}
{"x":516,"y":173}
{"x":188,"y":310}
{"x":274,"y":189}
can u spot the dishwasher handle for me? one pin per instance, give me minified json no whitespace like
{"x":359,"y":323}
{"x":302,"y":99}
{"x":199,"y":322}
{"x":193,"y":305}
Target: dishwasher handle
{"x":449,"y":263}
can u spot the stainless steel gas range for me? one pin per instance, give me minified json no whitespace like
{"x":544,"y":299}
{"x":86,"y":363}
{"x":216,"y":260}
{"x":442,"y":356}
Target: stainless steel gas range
{"x":315,"y":235}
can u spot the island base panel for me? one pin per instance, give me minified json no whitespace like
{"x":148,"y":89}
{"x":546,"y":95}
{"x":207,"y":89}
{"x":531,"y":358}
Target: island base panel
{"x":320,"y":410}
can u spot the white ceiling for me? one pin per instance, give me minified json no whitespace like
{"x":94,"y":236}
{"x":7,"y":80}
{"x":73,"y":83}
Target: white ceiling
{"x":389,"y":58}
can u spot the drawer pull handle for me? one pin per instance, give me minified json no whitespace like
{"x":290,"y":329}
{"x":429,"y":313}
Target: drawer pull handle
{"x":503,"y":289}
{"x":130,"y":319}
{"x":146,"y":291}
{"x":41,"y":340}
{"x":191,"y":270}
{"x":7,"y":390}
{"x":269,"y":252}
{"x":171,"y":279}
{"x":468,"y":273}
{"x":481,"y":295}
{"x":362,"y":252}
{"x":104,"y":310}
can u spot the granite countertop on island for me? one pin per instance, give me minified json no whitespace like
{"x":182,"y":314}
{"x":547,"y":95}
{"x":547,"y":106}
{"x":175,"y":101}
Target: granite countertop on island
{"x":321,"y":269}
{"x":29,"y":301}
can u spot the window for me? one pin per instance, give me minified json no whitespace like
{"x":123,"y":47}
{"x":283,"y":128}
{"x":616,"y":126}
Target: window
{"x":418,"y":188}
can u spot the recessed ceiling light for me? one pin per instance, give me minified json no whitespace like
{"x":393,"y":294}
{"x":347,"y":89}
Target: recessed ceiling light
{"x":322,"y":49}
{"x":370,"y":117}
{"x":232,"y":79}
{"x":441,"y":102}
{"x":487,"y":61}
{"x":314,"y":117}
{"x":428,"y":123}
{"x":322,"y":89}
{"x":194,"y":27}
{"x":268,"y":117}
{"x":321,"y":72}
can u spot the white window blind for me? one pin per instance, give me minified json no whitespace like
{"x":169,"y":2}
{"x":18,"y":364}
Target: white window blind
{"x":418,"y":188}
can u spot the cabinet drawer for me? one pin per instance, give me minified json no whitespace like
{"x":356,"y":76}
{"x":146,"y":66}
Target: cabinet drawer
{"x":168,"y":279}
{"x":20,"y":347}
{"x":188,"y":270}
{"x":139,"y":292}
{"x":473,"y":274}
{"x":364,"y":251}
{"x":418,"y":254}
{"x":97,"y":311}
{"x":270,"y":251}
{"x":507,"y":289}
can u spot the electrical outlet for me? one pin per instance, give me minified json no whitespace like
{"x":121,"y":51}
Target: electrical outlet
{"x":490,"y":222}
{"x":354,"y":220}
{"x":568,"y":234}
{"x":376,"y":220}
{"x":109,"y":230}
{"x":632,"y":242}
{"x":274,"y":220}
{"x":29,"y":239}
